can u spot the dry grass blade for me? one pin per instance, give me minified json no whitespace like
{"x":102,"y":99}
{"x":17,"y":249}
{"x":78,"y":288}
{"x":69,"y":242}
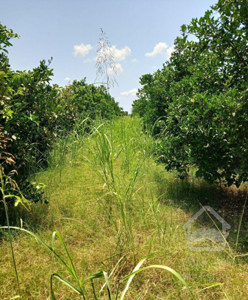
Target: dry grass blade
{"x":157,"y":267}
{"x":130,"y":278}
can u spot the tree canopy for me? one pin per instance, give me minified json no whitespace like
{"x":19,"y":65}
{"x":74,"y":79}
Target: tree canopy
{"x":197,"y":102}
{"x":34,"y":112}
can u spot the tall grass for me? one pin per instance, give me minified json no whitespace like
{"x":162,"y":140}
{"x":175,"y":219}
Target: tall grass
{"x":6,"y":185}
{"x":114,"y":206}
{"x":117,"y":153}
{"x":79,"y":287}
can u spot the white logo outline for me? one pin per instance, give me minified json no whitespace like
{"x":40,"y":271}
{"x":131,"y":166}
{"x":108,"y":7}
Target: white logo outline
{"x":211,"y":234}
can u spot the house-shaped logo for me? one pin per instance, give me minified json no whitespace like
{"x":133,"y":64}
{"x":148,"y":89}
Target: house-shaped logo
{"x":218,"y":237}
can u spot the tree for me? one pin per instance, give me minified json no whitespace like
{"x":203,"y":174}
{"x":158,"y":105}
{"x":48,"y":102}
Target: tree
{"x":5,"y":36}
{"x":201,"y":94}
{"x":29,"y":114}
{"x":91,"y":101}
{"x":139,"y":107}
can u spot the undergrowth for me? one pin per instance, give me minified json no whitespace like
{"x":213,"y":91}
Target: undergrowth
{"x":115,"y":209}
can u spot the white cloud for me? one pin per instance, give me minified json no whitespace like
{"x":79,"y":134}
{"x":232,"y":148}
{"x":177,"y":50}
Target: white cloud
{"x":170,"y":50}
{"x":88,"y":60}
{"x":82,"y":50}
{"x":67,"y":79}
{"x":161,"y":49}
{"x":119,"y":55}
{"x":132,"y":92}
{"x":157,"y":50}
{"x":118,"y":69}
{"x":134,"y":60}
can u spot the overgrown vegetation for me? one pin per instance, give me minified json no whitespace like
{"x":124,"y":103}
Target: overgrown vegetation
{"x":197,"y":102}
{"x":34,"y":113}
{"x":114,"y":209}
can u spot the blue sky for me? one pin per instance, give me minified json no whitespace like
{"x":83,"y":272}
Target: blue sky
{"x":141,"y":32}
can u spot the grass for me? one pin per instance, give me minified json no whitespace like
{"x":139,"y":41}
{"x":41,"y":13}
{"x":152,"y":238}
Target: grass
{"x":113,"y":207}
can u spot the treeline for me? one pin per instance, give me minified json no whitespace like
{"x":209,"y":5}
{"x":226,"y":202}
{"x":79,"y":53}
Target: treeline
{"x":34,"y":112}
{"x":197,"y":104}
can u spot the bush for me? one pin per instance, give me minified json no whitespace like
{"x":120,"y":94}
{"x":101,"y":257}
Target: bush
{"x":33,"y":113}
{"x":198,"y":100}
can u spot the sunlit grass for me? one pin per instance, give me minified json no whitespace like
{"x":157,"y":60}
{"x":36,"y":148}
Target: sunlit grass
{"x":113,"y":206}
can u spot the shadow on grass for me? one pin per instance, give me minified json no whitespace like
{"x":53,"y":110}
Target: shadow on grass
{"x":192,"y":193}
{"x":35,"y":220}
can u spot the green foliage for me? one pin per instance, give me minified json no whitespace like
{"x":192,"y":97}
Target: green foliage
{"x":33,"y":190}
{"x":5,"y":36}
{"x":33,"y":112}
{"x":90,"y":101}
{"x":120,"y":140}
{"x":198,"y":101}
{"x":157,"y":213}
{"x":139,"y":107}
{"x":208,"y":132}
{"x":29,"y":115}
